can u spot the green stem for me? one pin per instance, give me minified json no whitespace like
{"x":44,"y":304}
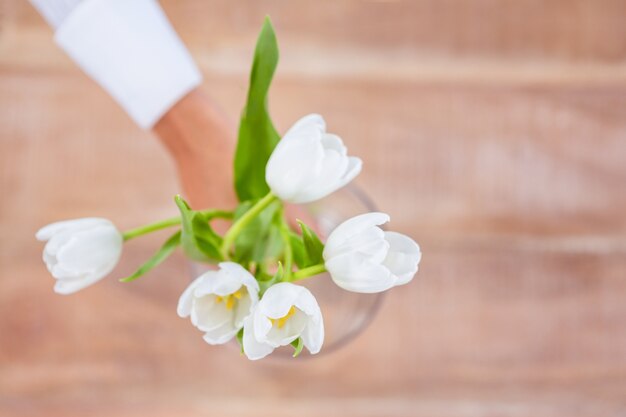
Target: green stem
{"x":217,"y":214}
{"x":172,"y":221}
{"x":149,"y":228}
{"x":242,"y":222}
{"x":284,"y":233}
{"x":308,"y":272}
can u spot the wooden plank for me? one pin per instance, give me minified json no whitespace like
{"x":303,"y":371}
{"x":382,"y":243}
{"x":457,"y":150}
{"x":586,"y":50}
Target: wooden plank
{"x":478,"y":161}
{"x":564,"y":30}
{"x":476,"y":326}
{"x":557,"y":41}
{"x":495,"y":308}
{"x":499,"y":146}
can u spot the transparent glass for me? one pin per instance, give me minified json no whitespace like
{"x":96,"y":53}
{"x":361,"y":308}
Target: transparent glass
{"x":345,"y":313}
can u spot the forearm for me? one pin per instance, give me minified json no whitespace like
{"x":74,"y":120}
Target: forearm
{"x":131,"y":50}
{"x":201,"y":141}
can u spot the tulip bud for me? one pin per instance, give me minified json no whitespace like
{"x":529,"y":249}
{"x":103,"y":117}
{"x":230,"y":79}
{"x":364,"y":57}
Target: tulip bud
{"x":308,"y":163}
{"x":80,"y":252}
{"x":285,"y":313}
{"x":361,"y":257}
{"x":219,"y":301}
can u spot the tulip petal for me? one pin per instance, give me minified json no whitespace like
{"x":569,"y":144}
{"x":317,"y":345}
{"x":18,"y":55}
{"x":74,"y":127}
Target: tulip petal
{"x":278,"y":299}
{"x":291,"y":164}
{"x":57,"y":271}
{"x":219,"y":283}
{"x":243,"y":309}
{"x":220,"y":335}
{"x":355,"y":272}
{"x":334,"y":143}
{"x":243,"y":276}
{"x":185,"y":301}
{"x":220,"y":319}
{"x":299,"y":311}
{"x":313,"y":335}
{"x":261,"y":324}
{"x":403,"y":257}
{"x":354,"y":168}
{"x":228,"y":279}
{"x":308,"y":164}
{"x":310,"y":123}
{"x":252,"y":348}
{"x":80,"y":252}
{"x":46,"y":232}
{"x":307,"y":303}
{"x":327,"y":174}
{"x":100,"y":246}
{"x":290,"y":331}
{"x":48,"y":257}
{"x":351,"y":227}
{"x":57,"y":241}
{"x":69,"y":286}
{"x":335,"y":174}
{"x":369,"y":242}
{"x":207,"y":314}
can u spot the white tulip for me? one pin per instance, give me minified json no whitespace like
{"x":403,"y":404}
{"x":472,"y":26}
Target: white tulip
{"x":308,"y":163}
{"x":361,"y":257}
{"x":219,"y":301}
{"x":285,"y":313}
{"x":80,"y":252}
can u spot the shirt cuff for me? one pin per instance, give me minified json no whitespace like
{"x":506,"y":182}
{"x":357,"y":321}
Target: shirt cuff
{"x":132,"y":51}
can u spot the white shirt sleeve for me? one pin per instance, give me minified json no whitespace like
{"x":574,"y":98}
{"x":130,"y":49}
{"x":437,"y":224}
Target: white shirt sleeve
{"x":132,"y":51}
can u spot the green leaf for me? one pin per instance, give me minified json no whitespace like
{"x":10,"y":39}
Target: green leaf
{"x":286,"y":243}
{"x":313,"y":246}
{"x":198,"y":239}
{"x":260,"y":239}
{"x":257,"y":135}
{"x":297,"y":344}
{"x":299,"y":253}
{"x":261,"y":275}
{"x":277,"y":277}
{"x":240,"y":339}
{"x":162,"y":254}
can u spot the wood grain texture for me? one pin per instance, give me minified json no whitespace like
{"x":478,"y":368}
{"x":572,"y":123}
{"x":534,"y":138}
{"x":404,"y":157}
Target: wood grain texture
{"x":494,"y":132}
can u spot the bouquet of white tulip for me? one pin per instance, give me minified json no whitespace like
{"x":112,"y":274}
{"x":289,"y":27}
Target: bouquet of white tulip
{"x":252,"y":295}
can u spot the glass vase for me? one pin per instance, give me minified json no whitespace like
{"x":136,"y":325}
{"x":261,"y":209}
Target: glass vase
{"x":345,"y":313}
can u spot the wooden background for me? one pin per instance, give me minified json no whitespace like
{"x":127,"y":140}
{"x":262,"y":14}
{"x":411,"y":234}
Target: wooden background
{"x":494,"y":132}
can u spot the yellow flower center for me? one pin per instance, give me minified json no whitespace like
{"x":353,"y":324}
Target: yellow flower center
{"x":281,"y":321}
{"x":230,"y":299}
